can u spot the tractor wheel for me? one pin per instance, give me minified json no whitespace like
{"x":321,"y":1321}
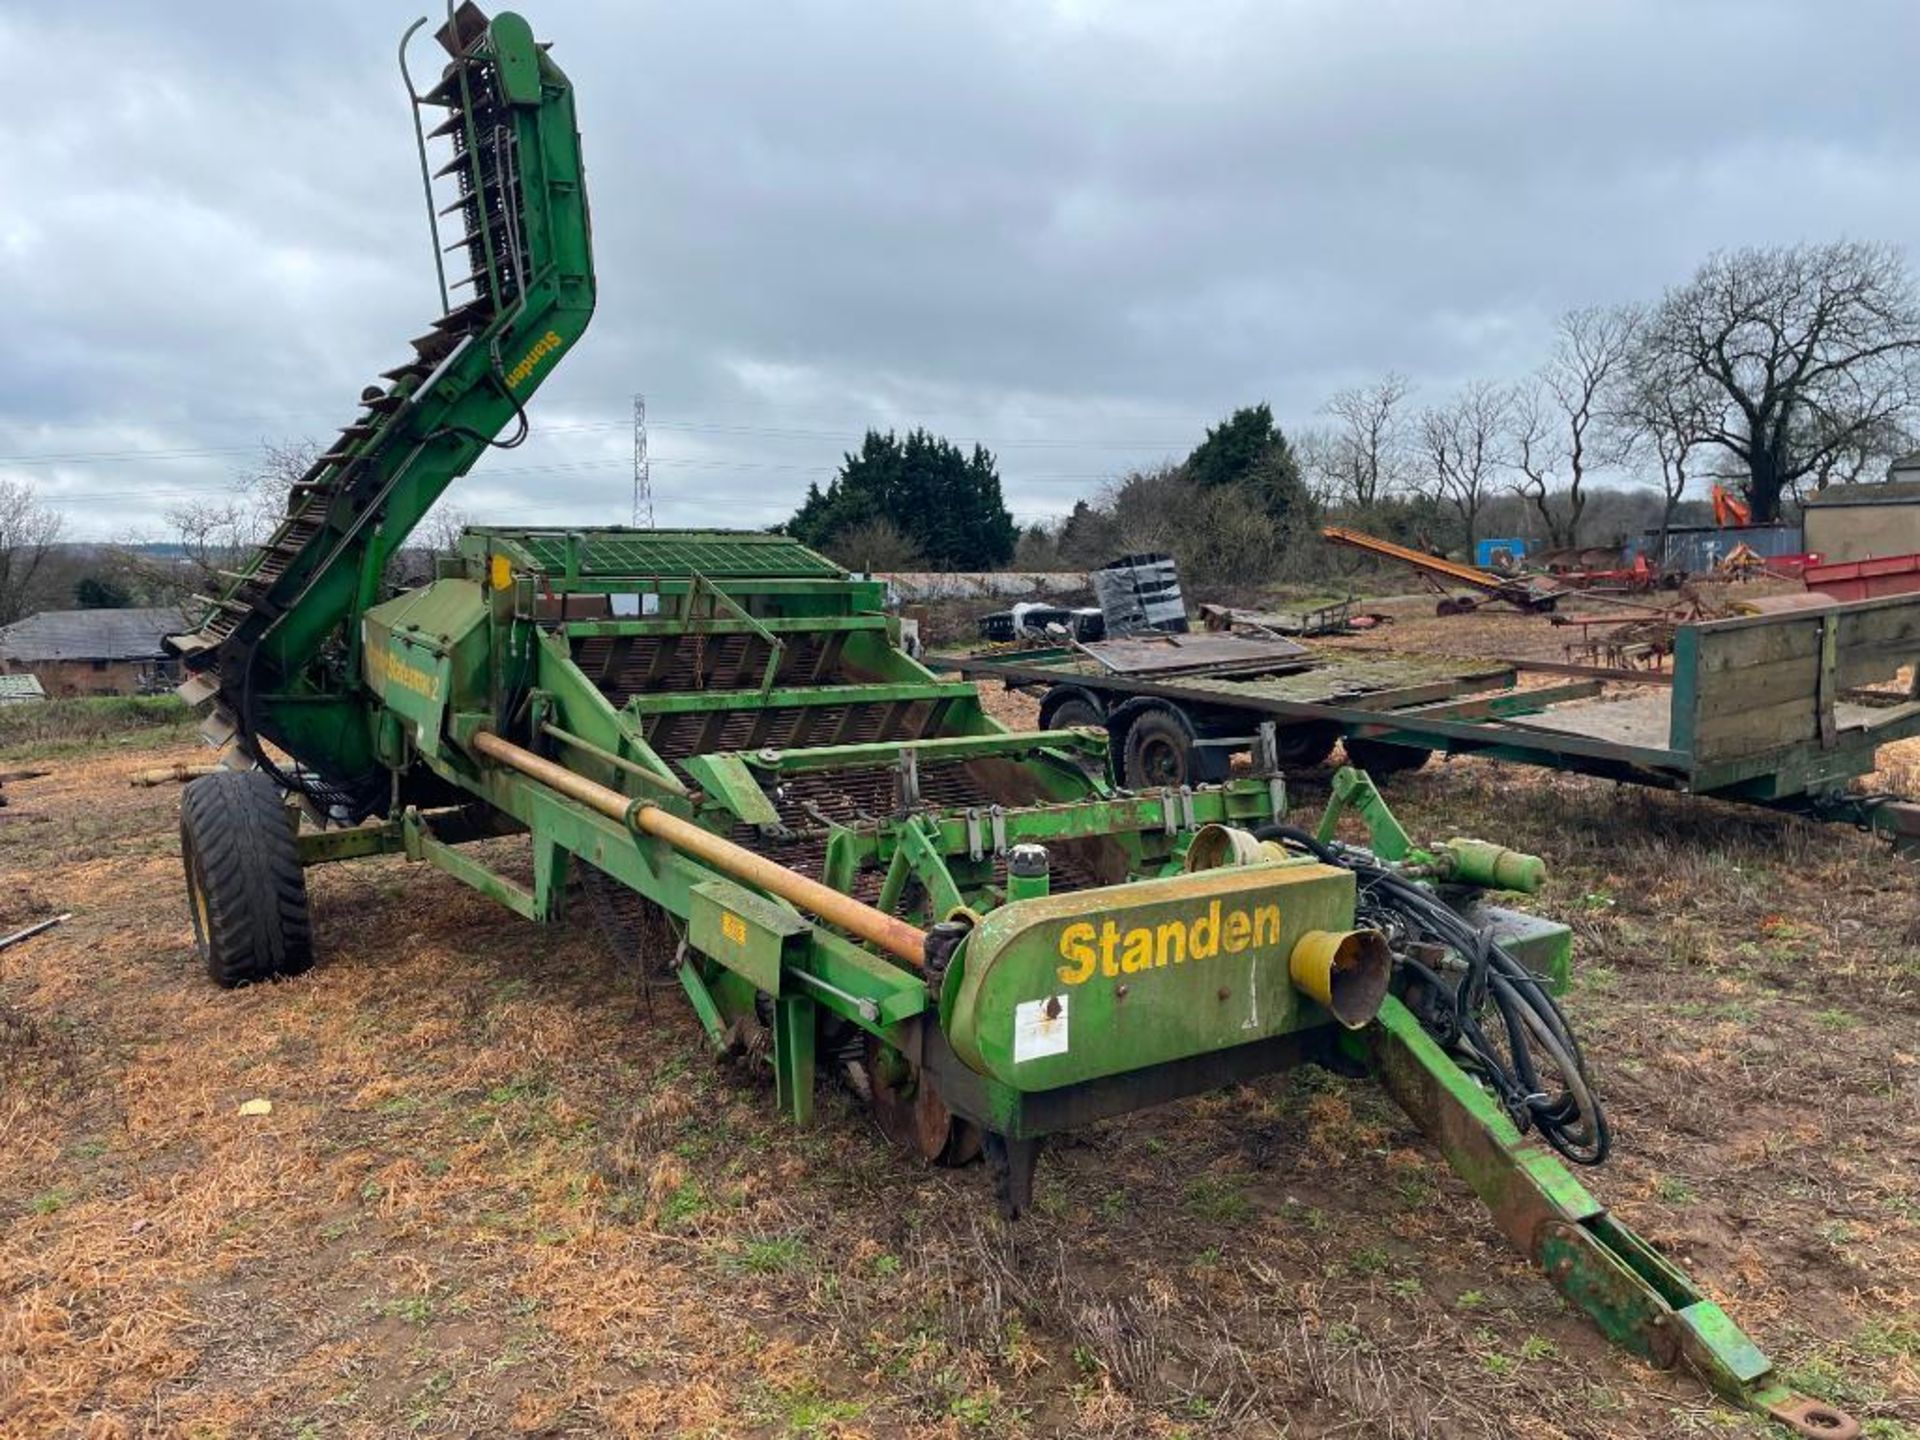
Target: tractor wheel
{"x":1070,"y":709}
{"x":245,"y":888}
{"x":1298,"y":746}
{"x":1379,"y":759}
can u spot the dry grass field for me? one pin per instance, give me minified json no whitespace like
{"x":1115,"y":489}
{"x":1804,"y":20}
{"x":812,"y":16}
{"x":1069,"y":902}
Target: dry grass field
{"x":503,"y":1190}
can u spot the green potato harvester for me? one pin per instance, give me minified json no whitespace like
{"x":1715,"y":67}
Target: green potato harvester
{"x":971,"y":927}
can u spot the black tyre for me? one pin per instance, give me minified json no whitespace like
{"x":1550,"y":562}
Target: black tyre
{"x":245,"y":888}
{"x":1378,"y":758}
{"x":1298,"y":746}
{"x":1069,"y":709}
{"x":1160,"y":752}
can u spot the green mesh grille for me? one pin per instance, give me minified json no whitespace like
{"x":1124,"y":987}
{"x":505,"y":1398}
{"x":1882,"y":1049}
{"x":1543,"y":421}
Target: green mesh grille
{"x":712,"y":553}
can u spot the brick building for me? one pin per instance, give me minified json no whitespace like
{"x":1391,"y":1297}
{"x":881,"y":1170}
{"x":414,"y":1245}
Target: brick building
{"x":93,"y":652}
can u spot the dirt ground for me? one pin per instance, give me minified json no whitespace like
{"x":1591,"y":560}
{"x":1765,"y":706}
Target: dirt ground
{"x":503,"y":1190}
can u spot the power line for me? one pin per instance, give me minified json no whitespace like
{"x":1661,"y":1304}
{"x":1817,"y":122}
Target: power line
{"x":205,"y":452}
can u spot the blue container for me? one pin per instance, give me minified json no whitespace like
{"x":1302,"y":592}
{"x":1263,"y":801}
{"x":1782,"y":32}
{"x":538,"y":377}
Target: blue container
{"x":1500,"y":554}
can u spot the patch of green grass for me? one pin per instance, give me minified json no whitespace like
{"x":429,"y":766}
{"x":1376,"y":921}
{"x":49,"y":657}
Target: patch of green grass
{"x":1414,"y":1191}
{"x":1823,"y":1377}
{"x":1673,"y":1190}
{"x":775,"y":1256}
{"x":687,"y":1201}
{"x":89,"y":1149}
{"x":1893,"y":1339}
{"x":1471,"y":1299}
{"x":1218,"y":1197}
{"x":426,"y":1403}
{"x":55,"y":727}
{"x":51,"y":1202}
{"x":886,"y":1266}
{"x":1836,"y":1019}
{"x":1368,"y":1260}
{"x":801,"y":1411}
{"x":974,"y":1411}
{"x":414,"y":1309}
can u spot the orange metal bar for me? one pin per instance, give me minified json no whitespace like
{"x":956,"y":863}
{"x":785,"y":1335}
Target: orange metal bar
{"x":1431,"y":564}
{"x":893,"y":935}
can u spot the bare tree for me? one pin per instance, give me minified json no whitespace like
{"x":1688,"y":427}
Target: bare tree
{"x":1804,"y":349}
{"x":1461,"y":444}
{"x":1221,"y":535}
{"x":876,"y":544}
{"x":1557,"y":430}
{"x":1664,"y":412}
{"x":440,"y":528}
{"x":1864,"y":455}
{"x":28,"y":530}
{"x":1318,"y":451}
{"x":216,"y":536}
{"x":1361,"y":458}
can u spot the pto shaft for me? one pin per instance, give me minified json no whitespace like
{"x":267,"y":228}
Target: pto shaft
{"x":893,"y":935}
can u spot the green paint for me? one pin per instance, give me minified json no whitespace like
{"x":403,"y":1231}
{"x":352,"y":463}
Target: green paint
{"x":1143,"y":984}
{"x":1056,"y":990}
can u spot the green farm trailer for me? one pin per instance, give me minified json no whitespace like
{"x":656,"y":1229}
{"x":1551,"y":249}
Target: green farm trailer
{"x":869,"y":877}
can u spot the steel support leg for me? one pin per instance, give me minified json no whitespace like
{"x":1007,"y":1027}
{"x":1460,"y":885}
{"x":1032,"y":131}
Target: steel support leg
{"x":794,"y":1023}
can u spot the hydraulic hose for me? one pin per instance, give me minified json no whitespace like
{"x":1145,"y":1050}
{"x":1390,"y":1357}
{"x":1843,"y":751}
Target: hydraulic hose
{"x":1530,"y":1022}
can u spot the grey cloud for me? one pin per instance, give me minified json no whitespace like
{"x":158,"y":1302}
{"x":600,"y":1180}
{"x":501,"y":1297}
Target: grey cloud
{"x":1077,"y":231}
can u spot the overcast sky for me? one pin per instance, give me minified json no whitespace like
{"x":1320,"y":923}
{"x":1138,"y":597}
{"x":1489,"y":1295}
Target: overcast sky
{"x":1078,"y":232}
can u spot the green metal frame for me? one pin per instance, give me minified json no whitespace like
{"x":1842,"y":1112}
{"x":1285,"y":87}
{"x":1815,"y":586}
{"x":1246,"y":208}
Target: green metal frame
{"x":491,"y":648}
{"x":936,"y":862}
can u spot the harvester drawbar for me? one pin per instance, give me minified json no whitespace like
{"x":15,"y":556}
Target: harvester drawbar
{"x":870,"y":877}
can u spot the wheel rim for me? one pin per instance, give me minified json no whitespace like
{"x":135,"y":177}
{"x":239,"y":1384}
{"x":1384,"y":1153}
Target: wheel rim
{"x":911,"y":1113}
{"x":1161,"y":762}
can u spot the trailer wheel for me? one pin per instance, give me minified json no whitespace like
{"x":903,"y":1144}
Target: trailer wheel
{"x":1298,"y":746}
{"x":1379,"y":758}
{"x":245,"y":888}
{"x":1160,"y":752}
{"x":1070,"y":709}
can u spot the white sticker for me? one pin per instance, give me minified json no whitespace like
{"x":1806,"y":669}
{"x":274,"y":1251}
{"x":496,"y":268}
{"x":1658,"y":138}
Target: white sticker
{"x":650,"y":603}
{"x":1039,"y":1028}
{"x":624,"y":607}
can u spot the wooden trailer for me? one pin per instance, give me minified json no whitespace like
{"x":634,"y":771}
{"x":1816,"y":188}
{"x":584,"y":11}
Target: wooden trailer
{"x":1784,"y":710}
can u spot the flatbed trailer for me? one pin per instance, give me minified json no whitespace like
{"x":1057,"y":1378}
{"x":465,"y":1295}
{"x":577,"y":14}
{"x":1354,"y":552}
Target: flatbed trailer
{"x":1779,"y":710}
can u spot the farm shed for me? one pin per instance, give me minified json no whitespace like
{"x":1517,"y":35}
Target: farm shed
{"x":93,"y":652}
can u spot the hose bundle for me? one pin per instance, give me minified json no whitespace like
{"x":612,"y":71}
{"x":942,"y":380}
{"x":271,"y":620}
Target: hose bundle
{"x":1529,"y":1025}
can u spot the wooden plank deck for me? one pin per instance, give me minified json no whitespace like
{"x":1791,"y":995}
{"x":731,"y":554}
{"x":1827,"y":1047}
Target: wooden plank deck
{"x":1631,"y":720}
